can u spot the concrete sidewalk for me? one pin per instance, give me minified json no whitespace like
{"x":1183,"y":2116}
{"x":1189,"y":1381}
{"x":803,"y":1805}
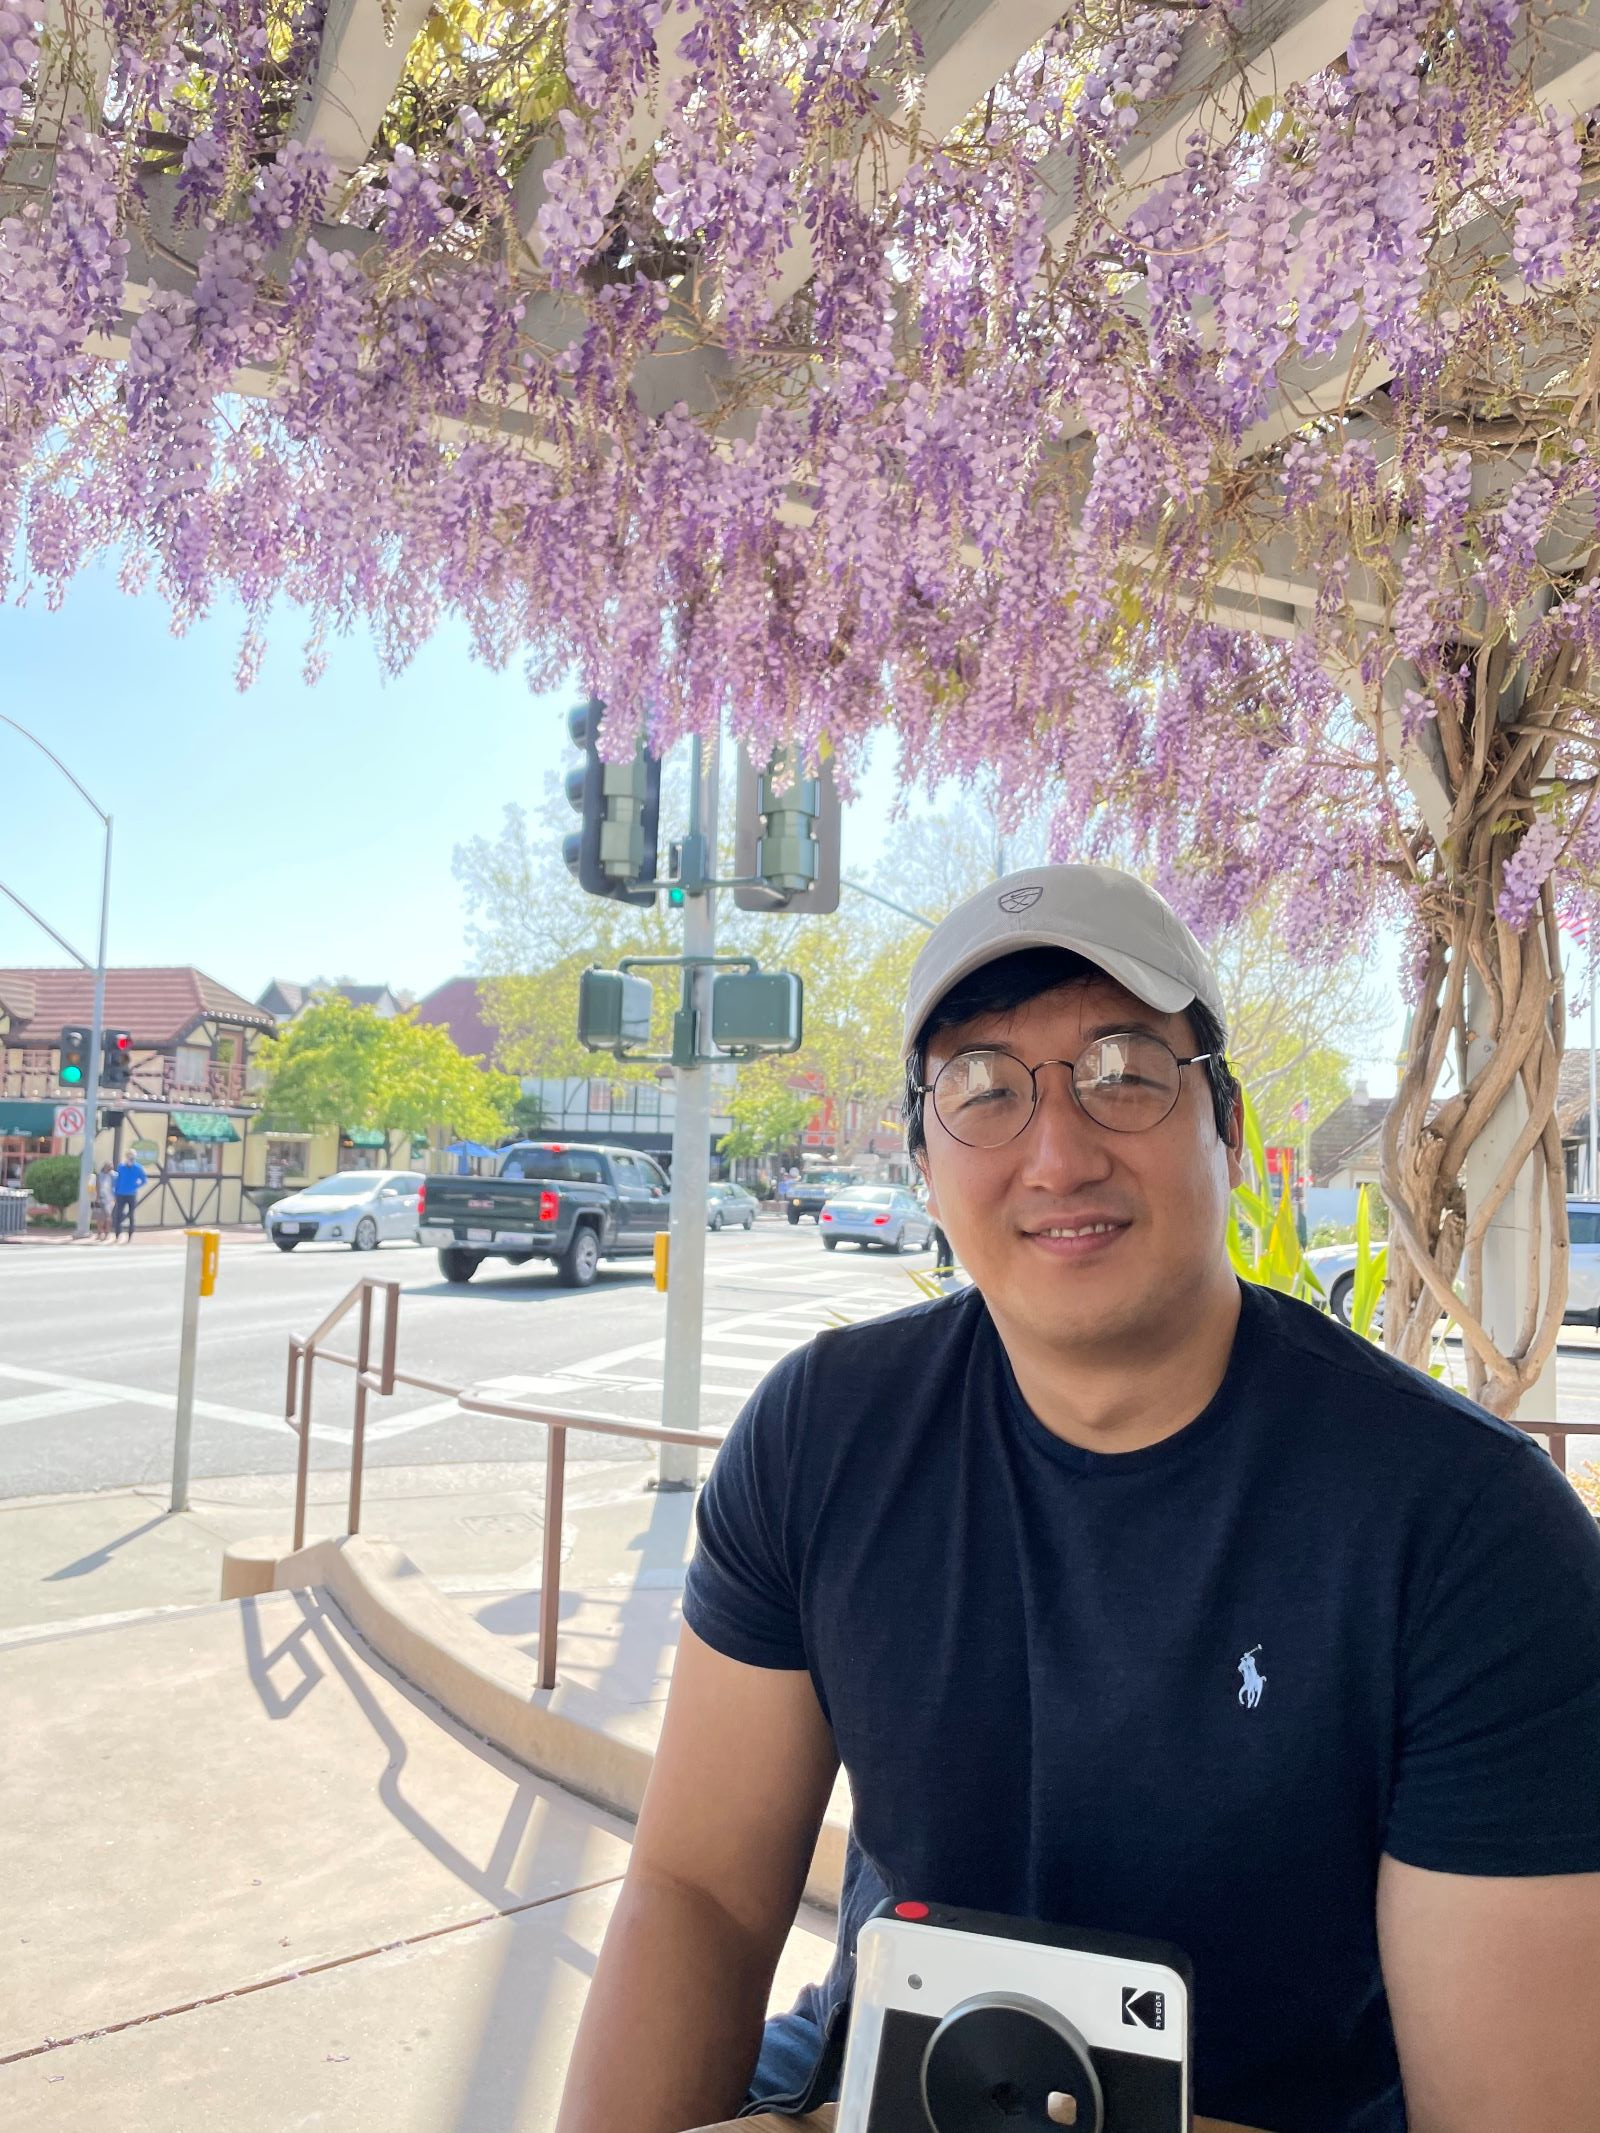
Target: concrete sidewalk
{"x":259,"y":1881}
{"x":471,"y":1528}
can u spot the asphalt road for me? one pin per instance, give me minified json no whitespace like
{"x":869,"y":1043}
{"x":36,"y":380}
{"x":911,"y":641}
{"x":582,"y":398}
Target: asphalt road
{"x":89,"y":1350}
{"x":89,"y":1347}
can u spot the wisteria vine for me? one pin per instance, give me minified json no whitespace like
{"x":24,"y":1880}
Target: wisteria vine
{"x":729,"y":390}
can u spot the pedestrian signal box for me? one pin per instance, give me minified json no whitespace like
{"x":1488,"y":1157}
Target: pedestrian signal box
{"x":757,"y":1011}
{"x":613,"y":1009}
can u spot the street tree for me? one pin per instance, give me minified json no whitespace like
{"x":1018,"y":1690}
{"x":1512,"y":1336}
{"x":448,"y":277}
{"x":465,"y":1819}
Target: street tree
{"x":337,"y":1066}
{"x":769,"y":1112}
{"x":1187,"y":416}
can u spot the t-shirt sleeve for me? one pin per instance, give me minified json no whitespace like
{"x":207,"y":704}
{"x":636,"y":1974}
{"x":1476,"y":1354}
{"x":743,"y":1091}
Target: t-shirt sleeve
{"x":1498,"y":1756}
{"x":740,"y":1595}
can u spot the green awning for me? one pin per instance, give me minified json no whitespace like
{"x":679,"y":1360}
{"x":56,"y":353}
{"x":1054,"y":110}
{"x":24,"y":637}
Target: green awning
{"x":38,"y":1121}
{"x":367,"y":1137}
{"x":204,"y":1125}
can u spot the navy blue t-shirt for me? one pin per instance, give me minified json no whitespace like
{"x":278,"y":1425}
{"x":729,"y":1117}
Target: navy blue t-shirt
{"x":1191,"y":1692}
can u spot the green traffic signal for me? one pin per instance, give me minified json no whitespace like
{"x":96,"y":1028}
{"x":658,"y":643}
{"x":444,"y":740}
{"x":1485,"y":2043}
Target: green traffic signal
{"x":675,"y":899}
{"x":72,"y":1075}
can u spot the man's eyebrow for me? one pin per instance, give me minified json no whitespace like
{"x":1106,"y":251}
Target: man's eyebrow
{"x":1128,"y":1026}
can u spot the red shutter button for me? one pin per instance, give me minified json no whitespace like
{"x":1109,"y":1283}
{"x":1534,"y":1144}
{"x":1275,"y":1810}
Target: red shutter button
{"x":911,"y":1910}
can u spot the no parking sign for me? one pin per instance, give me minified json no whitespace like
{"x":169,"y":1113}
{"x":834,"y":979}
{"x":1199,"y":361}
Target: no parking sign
{"x":69,"y":1120}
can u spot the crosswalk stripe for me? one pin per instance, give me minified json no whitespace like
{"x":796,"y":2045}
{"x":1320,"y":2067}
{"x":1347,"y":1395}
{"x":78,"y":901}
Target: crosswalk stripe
{"x":35,"y":1406}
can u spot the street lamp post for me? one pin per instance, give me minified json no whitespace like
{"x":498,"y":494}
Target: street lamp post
{"x":91,"y":1094}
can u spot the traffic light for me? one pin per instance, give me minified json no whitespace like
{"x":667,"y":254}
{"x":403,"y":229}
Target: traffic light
{"x":73,"y":1071}
{"x":786,"y":835}
{"x":116,"y":1058}
{"x":614,"y":854}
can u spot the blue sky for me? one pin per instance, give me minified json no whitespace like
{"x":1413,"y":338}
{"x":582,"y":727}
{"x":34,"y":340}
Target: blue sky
{"x":290,"y":831}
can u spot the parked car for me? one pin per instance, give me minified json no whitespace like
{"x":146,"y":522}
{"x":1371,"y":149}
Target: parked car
{"x":549,"y":1200}
{"x":1335,"y":1267}
{"x":809,"y":1194}
{"x":886,"y":1215}
{"x":730,"y":1207}
{"x":1583,"y":1269}
{"x":360,"y":1208}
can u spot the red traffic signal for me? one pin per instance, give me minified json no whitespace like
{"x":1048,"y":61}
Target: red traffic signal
{"x":116,"y":1058}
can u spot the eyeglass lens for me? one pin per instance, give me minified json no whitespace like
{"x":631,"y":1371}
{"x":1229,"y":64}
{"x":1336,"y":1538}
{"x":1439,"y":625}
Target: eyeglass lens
{"x":1127,"y":1083}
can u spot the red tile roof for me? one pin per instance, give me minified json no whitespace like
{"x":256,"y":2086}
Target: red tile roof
{"x":156,"y":1006}
{"x":456,"y":1007}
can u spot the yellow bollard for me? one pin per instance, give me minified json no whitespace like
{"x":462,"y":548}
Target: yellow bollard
{"x":662,"y":1244}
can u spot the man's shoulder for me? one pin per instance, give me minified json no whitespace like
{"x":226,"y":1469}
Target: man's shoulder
{"x":876,"y":1366}
{"x":1343,"y":1381}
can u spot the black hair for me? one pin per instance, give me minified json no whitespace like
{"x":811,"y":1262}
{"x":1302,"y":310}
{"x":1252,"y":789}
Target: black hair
{"x":1009,"y":983}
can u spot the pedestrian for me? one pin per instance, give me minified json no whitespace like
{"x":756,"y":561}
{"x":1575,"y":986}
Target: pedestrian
{"x":1130,"y":1597}
{"x":105,"y":1193}
{"x":128,"y":1179}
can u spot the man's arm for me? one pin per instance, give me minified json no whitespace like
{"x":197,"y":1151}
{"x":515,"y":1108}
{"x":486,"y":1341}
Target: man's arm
{"x":1494,"y":1988}
{"x":741,"y":1780}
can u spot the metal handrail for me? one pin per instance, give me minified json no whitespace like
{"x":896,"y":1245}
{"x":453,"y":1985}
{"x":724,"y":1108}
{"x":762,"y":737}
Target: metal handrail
{"x":305,"y":1353}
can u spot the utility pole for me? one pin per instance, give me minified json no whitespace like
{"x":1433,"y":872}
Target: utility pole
{"x":97,"y":1022}
{"x":91,"y":1094}
{"x":691,"y":1132}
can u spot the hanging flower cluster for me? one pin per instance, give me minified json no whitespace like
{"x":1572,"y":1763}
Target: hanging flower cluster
{"x":727,"y":388}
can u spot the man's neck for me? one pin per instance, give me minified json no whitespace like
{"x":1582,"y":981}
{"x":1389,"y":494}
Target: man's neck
{"x":1128,"y":1393}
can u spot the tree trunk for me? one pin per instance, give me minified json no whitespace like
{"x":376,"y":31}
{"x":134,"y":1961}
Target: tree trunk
{"x":1476,"y":1182}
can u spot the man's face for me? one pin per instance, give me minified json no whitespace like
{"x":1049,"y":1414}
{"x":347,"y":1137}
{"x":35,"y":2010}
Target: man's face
{"x":1162,"y":1193}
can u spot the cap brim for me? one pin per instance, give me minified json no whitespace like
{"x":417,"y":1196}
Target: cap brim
{"x":1156,"y":988}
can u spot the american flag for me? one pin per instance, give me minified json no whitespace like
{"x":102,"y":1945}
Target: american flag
{"x":1300,"y":1112}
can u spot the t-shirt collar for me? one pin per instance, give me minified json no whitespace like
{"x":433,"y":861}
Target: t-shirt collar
{"x":1238,"y":1384}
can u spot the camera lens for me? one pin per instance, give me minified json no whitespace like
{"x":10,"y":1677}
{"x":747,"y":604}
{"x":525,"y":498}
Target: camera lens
{"x":1003,"y":2063}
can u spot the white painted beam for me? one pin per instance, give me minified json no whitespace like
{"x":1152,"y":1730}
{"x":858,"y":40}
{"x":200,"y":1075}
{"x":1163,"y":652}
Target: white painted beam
{"x":985,"y":50}
{"x":77,"y":53}
{"x":359,"y":65}
{"x":645,"y":122}
{"x":1283,"y":41}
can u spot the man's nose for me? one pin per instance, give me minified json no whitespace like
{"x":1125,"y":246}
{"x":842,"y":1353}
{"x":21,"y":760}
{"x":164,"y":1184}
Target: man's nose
{"x":1062,"y":1146}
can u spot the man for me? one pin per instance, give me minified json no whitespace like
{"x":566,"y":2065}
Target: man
{"x":128,"y":1183}
{"x":1131,"y":1598}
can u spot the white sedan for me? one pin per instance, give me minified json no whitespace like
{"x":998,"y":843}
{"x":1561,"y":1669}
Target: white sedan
{"x":360,"y":1208}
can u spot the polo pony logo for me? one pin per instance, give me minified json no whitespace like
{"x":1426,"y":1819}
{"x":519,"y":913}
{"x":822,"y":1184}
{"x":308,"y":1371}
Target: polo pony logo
{"x":1253,"y":1680}
{"x":1015,"y":900}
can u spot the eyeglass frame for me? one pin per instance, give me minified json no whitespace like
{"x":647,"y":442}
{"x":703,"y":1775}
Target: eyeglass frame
{"x":927,"y":1088}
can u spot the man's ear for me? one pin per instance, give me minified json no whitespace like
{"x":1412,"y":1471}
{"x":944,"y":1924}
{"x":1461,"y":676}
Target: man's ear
{"x":1235,"y":1139}
{"x":921,"y":1161}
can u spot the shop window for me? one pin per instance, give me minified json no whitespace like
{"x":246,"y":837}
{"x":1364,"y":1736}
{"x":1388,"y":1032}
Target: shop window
{"x":286,"y":1161}
{"x":190,"y":1066}
{"x":193,"y":1159}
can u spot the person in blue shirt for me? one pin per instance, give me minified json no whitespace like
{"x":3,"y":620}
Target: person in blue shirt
{"x":128,"y":1182}
{"x":1130,"y":1598}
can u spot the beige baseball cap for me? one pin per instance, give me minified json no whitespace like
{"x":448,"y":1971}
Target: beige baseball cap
{"x":1110,"y":917}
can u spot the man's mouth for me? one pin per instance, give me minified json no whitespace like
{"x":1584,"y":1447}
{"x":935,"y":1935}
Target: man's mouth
{"x":1077,"y":1229}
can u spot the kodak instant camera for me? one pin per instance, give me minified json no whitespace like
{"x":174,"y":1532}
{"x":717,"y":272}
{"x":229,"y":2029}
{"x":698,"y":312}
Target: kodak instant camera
{"x":968,"y":2023}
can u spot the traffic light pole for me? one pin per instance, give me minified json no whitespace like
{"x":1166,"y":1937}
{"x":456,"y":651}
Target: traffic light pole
{"x":691,"y":1150}
{"x":92,"y":1090}
{"x":97,"y":1024}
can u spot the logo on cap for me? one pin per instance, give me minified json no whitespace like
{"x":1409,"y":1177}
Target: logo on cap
{"x":1016,"y":900}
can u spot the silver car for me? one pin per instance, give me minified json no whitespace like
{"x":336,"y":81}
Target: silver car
{"x":1583,"y":1270}
{"x":730,"y":1207}
{"x":361,"y":1208}
{"x":875,"y":1214}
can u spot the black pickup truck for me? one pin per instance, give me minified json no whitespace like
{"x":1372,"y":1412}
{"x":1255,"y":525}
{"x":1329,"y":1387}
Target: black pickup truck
{"x":548,"y":1200}
{"x":807,"y":1195}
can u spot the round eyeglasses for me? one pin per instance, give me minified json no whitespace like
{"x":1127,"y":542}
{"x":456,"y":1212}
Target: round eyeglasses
{"x":1127,"y":1082}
